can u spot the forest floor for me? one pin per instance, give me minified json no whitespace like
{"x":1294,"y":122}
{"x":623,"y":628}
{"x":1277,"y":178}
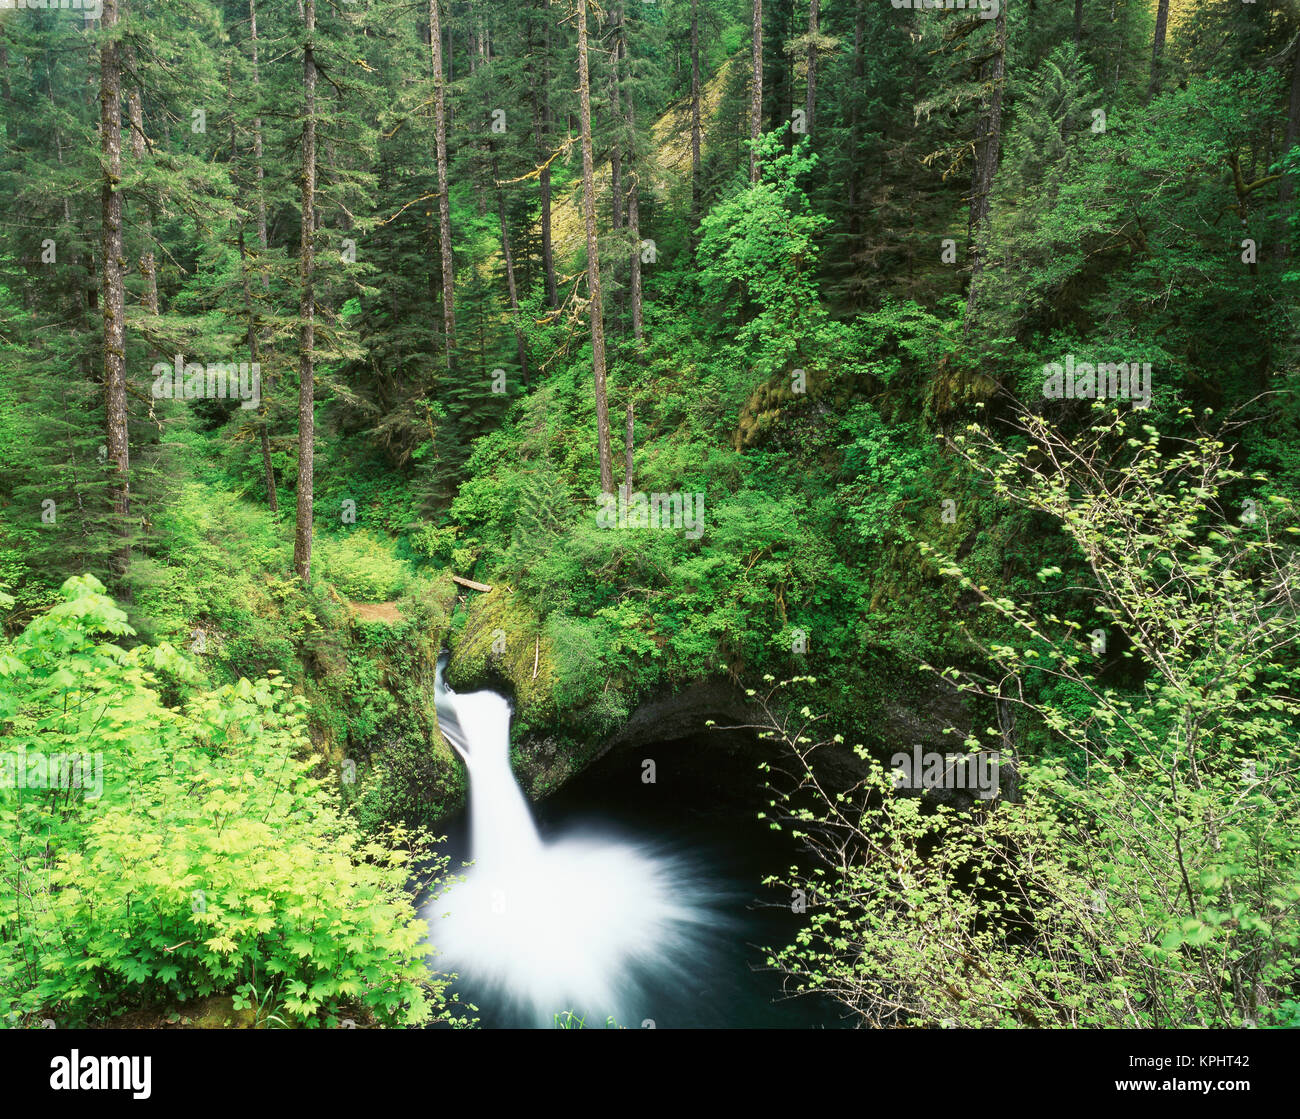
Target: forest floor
{"x":217,"y":1012}
{"x":386,"y":612}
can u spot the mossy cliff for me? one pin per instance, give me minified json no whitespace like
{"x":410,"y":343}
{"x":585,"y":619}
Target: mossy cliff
{"x":378,"y":715}
{"x":503,"y":645}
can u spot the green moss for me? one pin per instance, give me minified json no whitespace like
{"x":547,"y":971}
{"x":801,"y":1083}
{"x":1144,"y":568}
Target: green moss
{"x":503,"y":641}
{"x":383,"y":714}
{"x":219,"y":1013}
{"x":503,"y":636}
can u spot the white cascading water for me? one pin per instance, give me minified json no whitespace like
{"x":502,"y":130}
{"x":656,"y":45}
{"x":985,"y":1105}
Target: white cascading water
{"x":574,"y":924}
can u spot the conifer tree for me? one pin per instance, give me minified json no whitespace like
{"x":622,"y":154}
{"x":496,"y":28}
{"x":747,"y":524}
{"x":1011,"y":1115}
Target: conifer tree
{"x":595,"y":305}
{"x":302,"y":541}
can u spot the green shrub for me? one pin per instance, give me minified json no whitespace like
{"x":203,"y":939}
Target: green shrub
{"x":1148,"y":873}
{"x":361,"y":567}
{"x":210,"y":861}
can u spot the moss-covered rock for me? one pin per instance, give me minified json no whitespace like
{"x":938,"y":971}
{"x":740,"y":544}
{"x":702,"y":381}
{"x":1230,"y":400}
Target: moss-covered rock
{"x":502,"y":645}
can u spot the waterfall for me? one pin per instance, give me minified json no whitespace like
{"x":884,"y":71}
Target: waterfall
{"x":503,"y":829}
{"x":575,"y":923}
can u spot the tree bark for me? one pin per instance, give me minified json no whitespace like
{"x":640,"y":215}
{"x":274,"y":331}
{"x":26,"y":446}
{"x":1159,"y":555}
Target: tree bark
{"x":477,"y":48}
{"x":255,"y":355}
{"x":450,"y":56}
{"x":258,"y":168}
{"x":988,"y":146}
{"x":5,"y":88}
{"x":616,"y":113}
{"x":810,"y":105}
{"x":855,"y":130}
{"x":627,"y":452}
{"x":593,"y":260}
{"x":444,"y":199}
{"x":254,"y":345}
{"x":756,"y":92}
{"x":521,"y":350}
{"x":112,"y":300}
{"x":696,"y":186}
{"x":544,"y":179}
{"x":1158,"y":47}
{"x":302,"y":541}
{"x":617,"y":193}
{"x":1287,"y":185}
{"x":633,"y":205}
{"x":1078,"y":22}
{"x":148,"y":264}
{"x":634,"y":225}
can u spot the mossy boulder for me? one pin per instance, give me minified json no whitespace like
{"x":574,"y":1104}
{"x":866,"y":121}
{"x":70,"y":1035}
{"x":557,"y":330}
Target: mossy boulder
{"x":502,"y":645}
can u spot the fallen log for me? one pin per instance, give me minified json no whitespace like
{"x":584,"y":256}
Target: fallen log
{"x":470,"y":583}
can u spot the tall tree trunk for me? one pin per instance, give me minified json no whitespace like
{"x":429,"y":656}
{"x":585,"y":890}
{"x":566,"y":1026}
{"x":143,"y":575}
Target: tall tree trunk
{"x":112,"y":299}
{"x":617,"y":194}
{"x":779,"y":93}
{"x":250,"y":313}
{"x":476,"y":38}
{"x":627,"y":452}
{"x":1158,"y":47}
{"x":255,"y":355}
{"x":521,"y":350}
{"x":86,"y":294}
{"x":1287,"y":186}
{"x":616,"y":113}
{"x":302,"y":540}
{"x":5,"y":89}
{"x":544,"y":135}
{"x":634,"y":235}
{"x":254,"y":344}
{"x":988,"y":147}
{"x":633,"y":203}
{"x":258,"y":168}
{"x":756,"y":92}
{"x":451,"y":76}
{"x":634,"y":227}
{"x":1078,"y":22}
{"x":593,"y":260}
{"x":810,"y":105}
{"x":855,"y":131}
{"x":444,"y":199}
{"x":696,"y":186}
{"x":148,"y":265}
